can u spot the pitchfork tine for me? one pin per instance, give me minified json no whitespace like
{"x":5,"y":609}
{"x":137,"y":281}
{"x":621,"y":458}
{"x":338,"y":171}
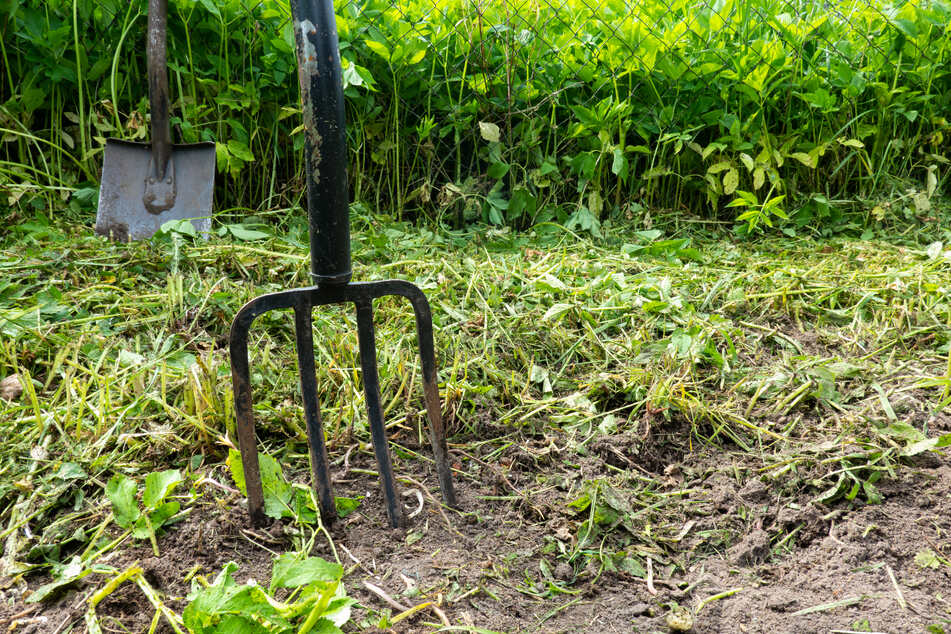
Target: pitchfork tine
{"x":427,"y":355}
{"x":371,"y":388}
{"x":315,"y":428}
{"x":244,"y":415}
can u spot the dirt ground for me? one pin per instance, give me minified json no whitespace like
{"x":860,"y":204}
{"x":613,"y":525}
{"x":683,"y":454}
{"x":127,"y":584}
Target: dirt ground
{"x":750,"y":555}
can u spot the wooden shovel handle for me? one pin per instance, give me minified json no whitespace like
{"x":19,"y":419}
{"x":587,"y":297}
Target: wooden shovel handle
{"x":158,"y":87}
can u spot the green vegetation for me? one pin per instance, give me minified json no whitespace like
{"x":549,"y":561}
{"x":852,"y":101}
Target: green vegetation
{"x":567,"y":182}
{"x":822,"y":364}
{"x":512,"y":113}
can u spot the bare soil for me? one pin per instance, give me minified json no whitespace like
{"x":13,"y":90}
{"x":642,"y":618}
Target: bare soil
{"x":749,"y":554}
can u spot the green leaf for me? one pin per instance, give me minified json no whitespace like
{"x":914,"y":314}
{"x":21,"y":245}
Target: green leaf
{"x":158,"y":486}
{"x":183,"y":227}
{"x":70,"y":573}
{"x":222,"y":157}
{"x":730,"y":180}
{"x":378,"y":48}
{"x":919,"y":447}
{"x":927,"y":558}
{"x":211,"y":8}
{"x":240,"y":150}
{"x":148,"y":524}
{"x":550,"y":284}
{"x":416,"y":57}
{"x":872,"y":493}
{"x":489,"y":131}
{"x":619,"y":164}
{"x":70,"y":471}
{"x":633,"y":567}
{"x":747,"y":161}
{"x":345,"y":506}
{"x":237,"y":470}
{"x":278,"y":494}
{"x":290,"y":571}
{"x":498,"y":170}
{"x":853,"y":143}
{"x":833,"y":492}
{"x":129,"y":359}
{"x":121,"y":492}
{"x":207,"y":611}
{"x":556,"y":311}
{"x":806,"y":159}
{"x":243,"y":233}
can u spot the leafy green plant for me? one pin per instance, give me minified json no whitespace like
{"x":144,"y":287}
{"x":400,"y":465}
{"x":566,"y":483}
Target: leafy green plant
{"x":317,"y":600}
{"x":535,"y":115}
{"x":155,"y":510}
{"x":283,"y":499}
{"x":758,"y":214}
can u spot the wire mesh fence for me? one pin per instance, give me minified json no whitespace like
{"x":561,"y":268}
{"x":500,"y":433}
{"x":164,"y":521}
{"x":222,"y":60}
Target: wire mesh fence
{"x":517,"y":111}
{"x":615,"y":103}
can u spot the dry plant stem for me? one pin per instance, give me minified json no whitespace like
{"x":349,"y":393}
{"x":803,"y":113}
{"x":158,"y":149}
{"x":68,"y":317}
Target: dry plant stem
{"x":405,"y":612}
{"x":410,"y":612}
{"x":11,"y":546}
{"x":650,"y":576}
{"x":18,"y":615}
{"x":716,"y":597}
{"x":440,"y":615}
{"x":173,"y":619}
{"x":390,"y":601}
{"x":434,"y":502}
{"x":898,"y":593}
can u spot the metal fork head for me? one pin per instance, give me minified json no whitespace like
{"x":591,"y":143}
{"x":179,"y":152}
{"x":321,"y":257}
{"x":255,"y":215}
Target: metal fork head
{"x":302,"y":301}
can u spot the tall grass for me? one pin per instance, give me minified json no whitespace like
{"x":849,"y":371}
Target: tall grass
{"x":513,"y":112}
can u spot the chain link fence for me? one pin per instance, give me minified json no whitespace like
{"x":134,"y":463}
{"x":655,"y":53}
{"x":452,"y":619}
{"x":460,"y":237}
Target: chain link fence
{"x":541,"y":103}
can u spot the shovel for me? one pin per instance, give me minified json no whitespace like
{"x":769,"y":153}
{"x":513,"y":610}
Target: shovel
{"x":144,"y":185}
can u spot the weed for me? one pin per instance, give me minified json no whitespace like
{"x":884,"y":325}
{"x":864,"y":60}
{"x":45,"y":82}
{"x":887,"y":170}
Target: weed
{"x":155,"y":511}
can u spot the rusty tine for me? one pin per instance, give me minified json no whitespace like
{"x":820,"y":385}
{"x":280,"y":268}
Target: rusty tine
{"x":328,"y":212}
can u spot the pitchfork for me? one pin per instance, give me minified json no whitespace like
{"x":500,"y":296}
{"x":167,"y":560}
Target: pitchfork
{"x":321,"y":87}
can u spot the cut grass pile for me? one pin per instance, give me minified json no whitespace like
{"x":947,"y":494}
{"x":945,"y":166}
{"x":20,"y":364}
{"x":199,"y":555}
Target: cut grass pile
{"x":825,"y":363}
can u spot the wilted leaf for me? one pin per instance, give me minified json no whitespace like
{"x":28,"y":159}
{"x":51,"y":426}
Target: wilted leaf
{"x":730,"y":180}
{"x":806,"y":159}
{"x":489,"y":131}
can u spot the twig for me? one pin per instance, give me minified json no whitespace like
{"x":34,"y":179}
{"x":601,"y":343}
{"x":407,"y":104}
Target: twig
{"x":442,"y":615}
{"x":248,"y":534}
{"x":390,"y":601}
{"x":33,"y":620}
{"x":405,"y":614}
{"x":419,"y":498}
{"x":898,"y":595}
{"x":650,"y":576}
{"x":435,"y":502}
{"x":18,"y":615}
{"x":694,"y":584}
{"x":346,"y":464}
{"x":219,"y":485}
{"x":841,"y":603}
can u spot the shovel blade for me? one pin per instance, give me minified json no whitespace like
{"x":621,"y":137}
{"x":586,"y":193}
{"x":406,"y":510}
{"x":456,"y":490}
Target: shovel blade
{"x":122,"y":213}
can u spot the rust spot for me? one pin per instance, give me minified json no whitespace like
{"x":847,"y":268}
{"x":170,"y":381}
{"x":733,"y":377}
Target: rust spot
{"x":114,"y":230}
